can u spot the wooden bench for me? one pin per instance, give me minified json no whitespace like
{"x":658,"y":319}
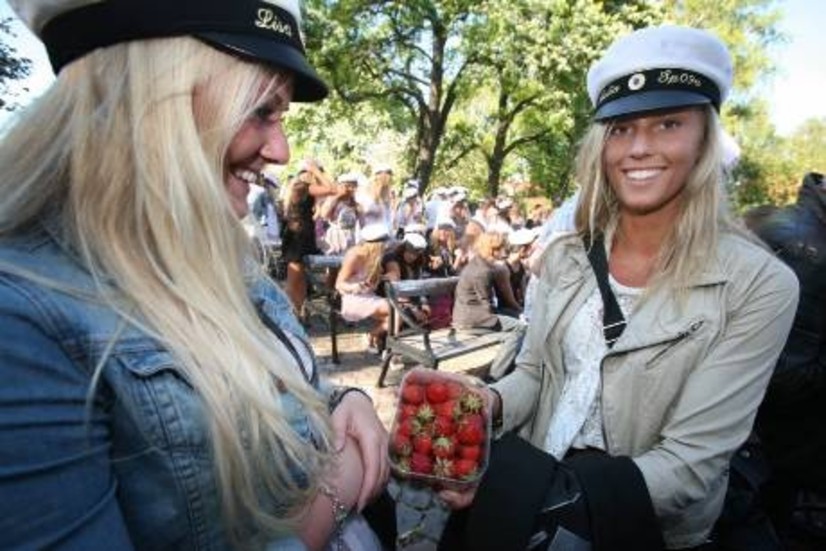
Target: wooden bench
{"x":418,"y":343}
{"x":322,"y":298}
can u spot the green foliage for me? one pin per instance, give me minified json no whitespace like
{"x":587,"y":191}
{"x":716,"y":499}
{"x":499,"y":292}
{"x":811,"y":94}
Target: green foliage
{"x":12,"y":67}
{"x":482,"y":92}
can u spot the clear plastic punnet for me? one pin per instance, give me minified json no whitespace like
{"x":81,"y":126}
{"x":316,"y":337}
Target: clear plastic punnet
{"x":441,"y":430}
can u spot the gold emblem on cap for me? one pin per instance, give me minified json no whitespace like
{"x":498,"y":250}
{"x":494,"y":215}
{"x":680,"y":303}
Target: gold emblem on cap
{"x":636,"y":81}
{"x":267,"y":19}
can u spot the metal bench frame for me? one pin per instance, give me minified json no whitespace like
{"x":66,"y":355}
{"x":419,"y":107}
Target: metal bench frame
{"x":322,"y":299}
{"x":417,"y":342}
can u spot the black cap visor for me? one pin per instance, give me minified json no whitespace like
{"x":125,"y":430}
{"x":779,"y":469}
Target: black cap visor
{"x":653,"y":100}
{"x":308,"y":85}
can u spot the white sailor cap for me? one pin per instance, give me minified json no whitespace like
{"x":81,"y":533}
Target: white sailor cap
{"x":415,"y":241}
{"x":660,"y":68}
{"x":375,"y":232}
{"x":522,"y":236}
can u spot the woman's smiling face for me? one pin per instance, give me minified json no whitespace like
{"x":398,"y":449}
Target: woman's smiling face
{"x":648,"y":158}
{"x":259,"y":141}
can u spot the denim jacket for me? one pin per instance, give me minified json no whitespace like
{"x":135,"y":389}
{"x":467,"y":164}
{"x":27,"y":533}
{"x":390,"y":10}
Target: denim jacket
{"x":132,"y":470}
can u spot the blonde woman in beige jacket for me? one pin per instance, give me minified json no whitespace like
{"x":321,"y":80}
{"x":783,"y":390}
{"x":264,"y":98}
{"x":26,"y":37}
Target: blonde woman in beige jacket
{"x":707,"y":309}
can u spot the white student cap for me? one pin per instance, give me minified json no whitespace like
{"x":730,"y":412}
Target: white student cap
{"x":660,"y":68}
{"x":375,"y":232}
{"x":416,"y":241}
{"x":521,"y":237}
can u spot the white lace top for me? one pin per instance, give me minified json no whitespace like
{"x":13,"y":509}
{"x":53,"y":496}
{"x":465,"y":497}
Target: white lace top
{"x":577,"y":420}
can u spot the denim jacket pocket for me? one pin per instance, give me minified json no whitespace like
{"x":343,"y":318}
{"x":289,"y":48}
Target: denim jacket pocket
{"x":166,"y":408}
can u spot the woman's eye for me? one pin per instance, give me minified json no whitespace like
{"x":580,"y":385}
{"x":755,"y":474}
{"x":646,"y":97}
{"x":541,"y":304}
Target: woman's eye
{"x":618,"y":130}
{"x":266,"y":113}
{"x":263,"y":113}
{"x":670,"y":123}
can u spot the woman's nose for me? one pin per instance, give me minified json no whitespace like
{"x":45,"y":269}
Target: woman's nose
{"x":640,"y":144}
{"x":276,"y":148}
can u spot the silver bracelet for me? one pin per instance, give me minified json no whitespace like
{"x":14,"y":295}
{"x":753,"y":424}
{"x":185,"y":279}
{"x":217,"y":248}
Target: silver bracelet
{"x":340,"y":514}
{"x":339,"y":393}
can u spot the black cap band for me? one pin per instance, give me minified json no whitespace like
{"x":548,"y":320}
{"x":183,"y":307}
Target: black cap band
{"x":659,"y":80}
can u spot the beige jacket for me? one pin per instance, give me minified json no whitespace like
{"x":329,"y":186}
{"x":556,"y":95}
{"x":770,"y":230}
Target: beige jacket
{"x":680,"y":388}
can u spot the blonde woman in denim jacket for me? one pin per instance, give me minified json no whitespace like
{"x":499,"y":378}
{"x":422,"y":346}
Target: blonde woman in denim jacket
{"x":156,"y":391}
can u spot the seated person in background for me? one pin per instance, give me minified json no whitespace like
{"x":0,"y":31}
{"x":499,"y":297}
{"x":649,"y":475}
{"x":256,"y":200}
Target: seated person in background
{"x":480,"y":282}
{"x":358,"y":282}
{"x":464,"y":250}
{"x":406,"y":261}
{"x":442,"y":250}
{"x":521,"y":245}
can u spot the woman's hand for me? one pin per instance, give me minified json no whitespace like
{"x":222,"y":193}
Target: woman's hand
{"x":318,"y":523}
{"x":355,"y":417}
{"x":458,"y":499}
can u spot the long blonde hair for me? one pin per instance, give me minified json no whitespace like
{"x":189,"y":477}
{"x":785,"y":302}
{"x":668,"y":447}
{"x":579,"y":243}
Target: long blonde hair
{"x":294,"y":184}
{"x":380,"y":185}
{"x":116,"y":153}
{"x":703,"y":216}
{"x":488,"y":244}
{"x":372,"y":251}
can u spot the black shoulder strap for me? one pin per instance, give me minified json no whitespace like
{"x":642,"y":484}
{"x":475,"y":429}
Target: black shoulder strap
{"x":613,"y":322}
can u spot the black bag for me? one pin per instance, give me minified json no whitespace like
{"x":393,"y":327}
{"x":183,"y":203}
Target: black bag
{"x":529,"y":500}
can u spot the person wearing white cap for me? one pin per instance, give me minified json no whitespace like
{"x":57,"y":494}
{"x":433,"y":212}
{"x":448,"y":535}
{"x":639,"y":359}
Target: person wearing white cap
{"x":410,"y":209}
{"x":659,"y":321}
{"x":406,"y":261}
{"x":157,"y":390}
{"x":520,"y":246}
{"x":435,"y":206}
{"x":343,"y":214}
{"x":375,"y":199}
{"x":358,"y":282}
{"x":443,"y":244}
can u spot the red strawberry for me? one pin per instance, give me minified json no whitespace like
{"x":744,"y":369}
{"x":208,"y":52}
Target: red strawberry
{"x":408,"y":410}
{"x":448,"y":408}
{"x":471,"y":402}
{"x":454,"y":389}
{"x":421,"y":463}
{"x":470,"y":452}
{"x":423,"y":443}
{"x":413,"y":393}
{"x":405,"y":426}
{"x":444,"y":447}
{"x":443,"y":468}
{"x":443,"y":426}
{"x":473,"y":418}
{"x":470,"y":432}
{"x":402,"y":445}
{"x":436,"y":392}
{"x":465,"y":468}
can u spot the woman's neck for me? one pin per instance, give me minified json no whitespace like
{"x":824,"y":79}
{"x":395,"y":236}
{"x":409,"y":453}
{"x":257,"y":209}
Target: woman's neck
{"x":636,"y":247}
